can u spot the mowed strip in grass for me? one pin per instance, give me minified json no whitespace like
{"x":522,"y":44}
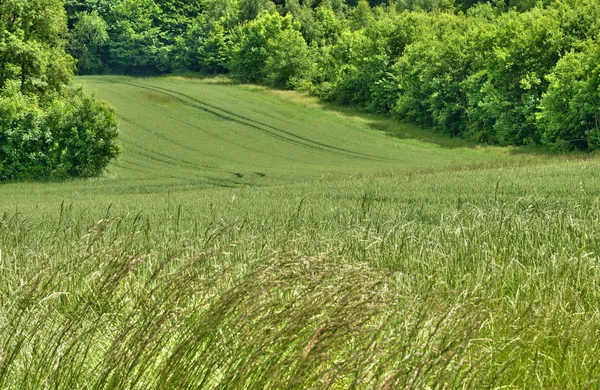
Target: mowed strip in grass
{"x":466,"y":269}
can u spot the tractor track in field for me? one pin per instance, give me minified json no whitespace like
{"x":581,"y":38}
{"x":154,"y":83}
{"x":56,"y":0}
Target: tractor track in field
{"x":175,"y":161}
{"x":225,"y":140}
{"x":163,"y":137}
{"x":270,"y":130}
{"x":173,"y":94}
{"x":164,"y":158}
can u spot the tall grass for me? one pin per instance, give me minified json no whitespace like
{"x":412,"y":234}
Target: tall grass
{"x":481,"y":277}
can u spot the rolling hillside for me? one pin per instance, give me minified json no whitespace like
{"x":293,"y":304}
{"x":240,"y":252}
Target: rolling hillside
{"x":193,"y":132}
{"x":181,"y":134}
{"x":253,"y":239}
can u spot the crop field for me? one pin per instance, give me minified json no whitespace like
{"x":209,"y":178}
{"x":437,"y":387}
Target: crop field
{"x":256,"y":239}
{"x":181,"y":135}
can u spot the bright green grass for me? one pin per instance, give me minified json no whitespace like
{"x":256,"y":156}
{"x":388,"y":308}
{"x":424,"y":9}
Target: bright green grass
{"x":180,"y":134}
{"x":411,"y":266}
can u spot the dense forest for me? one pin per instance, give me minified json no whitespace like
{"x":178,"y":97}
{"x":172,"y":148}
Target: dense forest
{"x":508,"y":72}
{"x":504,"y":72}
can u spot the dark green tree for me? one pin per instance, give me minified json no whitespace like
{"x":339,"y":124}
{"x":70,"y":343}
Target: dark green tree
{"x":250,"y":45}
{"x":88,"y":43}
{"x":32,"y":41}
{"x":288,"y":61}
{"x":361,"y":16}
{"x":570,"y":110}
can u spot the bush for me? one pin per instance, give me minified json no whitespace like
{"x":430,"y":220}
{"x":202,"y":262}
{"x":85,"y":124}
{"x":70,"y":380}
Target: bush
{"x":68,"y":135}
{"x":48,"y":129}
{"x":289,"y":59}
{"x":24,"y":144}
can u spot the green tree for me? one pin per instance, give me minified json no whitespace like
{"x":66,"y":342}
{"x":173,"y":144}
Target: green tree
{"x":304,"y":15}
{"x":76,"y":8}
{"x":23,"y":140}
{"x":213,"y":48}
{"x":89,"y":42}
{"x":47,"y":129}
{"x":250,"y":45}
{"x":361,"y":16}
{"x":570,"y":110}
{"x":226,"y":12}
{"x":250,"y":9}
{"x":70,"y":135}
{"x":430,"y":74}
{"x":135,"y":45}
{"x":84,"y":132}
{"x":288,"y":60}
{"x":424,"y":5}
{"x":32,"y":45}
{"x":328,"y":26}
{"x":505,"y":96}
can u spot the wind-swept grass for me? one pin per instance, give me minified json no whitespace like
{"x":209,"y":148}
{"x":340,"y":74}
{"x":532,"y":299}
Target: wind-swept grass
{"x":478,"y":278}
{"x":450,"y":275}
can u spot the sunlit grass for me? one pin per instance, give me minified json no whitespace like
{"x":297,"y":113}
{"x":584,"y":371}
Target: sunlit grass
{"x":459,"y":267}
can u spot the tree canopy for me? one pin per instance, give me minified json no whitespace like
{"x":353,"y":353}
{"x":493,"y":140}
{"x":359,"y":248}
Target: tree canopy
{"x":495,"y":71}
{"x":47,"y":128}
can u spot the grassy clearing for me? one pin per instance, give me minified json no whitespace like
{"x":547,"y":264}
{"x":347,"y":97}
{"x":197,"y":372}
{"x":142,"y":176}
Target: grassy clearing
{"x":462,"y":267}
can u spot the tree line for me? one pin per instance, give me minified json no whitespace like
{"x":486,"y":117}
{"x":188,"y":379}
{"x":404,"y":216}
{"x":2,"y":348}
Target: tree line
{"x":504,"y":72}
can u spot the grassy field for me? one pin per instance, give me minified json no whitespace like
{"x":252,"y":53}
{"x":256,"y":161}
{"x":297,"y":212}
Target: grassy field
{"x":182,"y":135}
{"x":254,"y":239}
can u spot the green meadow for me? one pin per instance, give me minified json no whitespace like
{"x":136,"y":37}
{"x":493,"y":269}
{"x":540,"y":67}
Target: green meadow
{"x":249,"y":238}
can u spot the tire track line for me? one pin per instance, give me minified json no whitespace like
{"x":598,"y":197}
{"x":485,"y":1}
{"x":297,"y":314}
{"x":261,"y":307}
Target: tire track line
{"x":219,"y":115}
{"x":230,"y":116}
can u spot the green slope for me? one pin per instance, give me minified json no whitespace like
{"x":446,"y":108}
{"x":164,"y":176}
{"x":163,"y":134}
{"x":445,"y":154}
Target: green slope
{"x":181,"y":134}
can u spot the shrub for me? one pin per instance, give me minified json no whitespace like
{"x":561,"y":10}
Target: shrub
{"x":68,"y":135}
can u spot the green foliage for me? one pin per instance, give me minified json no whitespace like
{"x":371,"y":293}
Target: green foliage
{"x":84,"y":132}
{"x":321,"y":26}
{"x":424,"y":5}
{"x":24,"y":140}
{"x":226,"y":12}
{"x":361,"y":16}
{"x":68,"y":135}
{"x":88,"y":42}
{"x":135,"y":45}
{"x":269,"y":49}
{"x":207,"y":46}
{"x":358,"y":69}
{"x":214,"y":49}
{"x":250,"y":9}
{"x":524,"y":5}
{"x":47,"y":129}
{"x":32,"y":45}
{"x":430,"y":74}
{"x":481,"y":76}
{"x":472,"y":69}
{"x":570,"y":110}
{"x":528,"y":45}
{"x":346,"y":56}
{"x":304,"y":15}
{"x":289,"y":60}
